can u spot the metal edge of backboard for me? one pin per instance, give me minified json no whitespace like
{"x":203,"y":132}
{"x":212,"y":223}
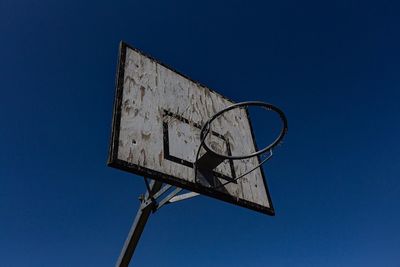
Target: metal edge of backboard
{"x":113,"y":160}
{"x":259,"y":161}
{"x":116,"y":117}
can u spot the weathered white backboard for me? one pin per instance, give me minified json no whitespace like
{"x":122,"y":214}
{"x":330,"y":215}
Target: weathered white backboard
{"x":158,"y":114}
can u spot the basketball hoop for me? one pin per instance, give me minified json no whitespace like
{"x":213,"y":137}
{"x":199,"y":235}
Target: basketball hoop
{"x":205,"y":130}
{"x":158,"y":132}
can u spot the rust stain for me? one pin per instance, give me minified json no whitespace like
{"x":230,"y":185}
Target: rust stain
{"x":130,"y":156}
{"x":156,"y":76}
{"x":144,"y":156}
{"x":145,"y":136}
{"x":142,"y":92}
{"x":127,"y":107}
{"x":130,"y":82}
{"x":160,"y":157}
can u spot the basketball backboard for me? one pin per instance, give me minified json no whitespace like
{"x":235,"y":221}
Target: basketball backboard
{"x":158,"y":115}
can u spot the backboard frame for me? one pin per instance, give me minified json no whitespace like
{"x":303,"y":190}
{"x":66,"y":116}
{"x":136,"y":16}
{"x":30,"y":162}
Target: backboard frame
{"x":113,"y":160}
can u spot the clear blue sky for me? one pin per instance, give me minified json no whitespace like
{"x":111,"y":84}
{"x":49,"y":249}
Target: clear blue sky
{"x":332,"y":66}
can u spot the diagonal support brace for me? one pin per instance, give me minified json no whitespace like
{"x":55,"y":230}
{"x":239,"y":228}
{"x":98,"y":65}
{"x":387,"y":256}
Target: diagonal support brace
{"x":167,"y":198}
{"x":137,"y":227}
{"x":148,"y":205}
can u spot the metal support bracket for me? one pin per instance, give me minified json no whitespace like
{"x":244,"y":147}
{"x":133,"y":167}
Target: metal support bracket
{"x":183,"y":197}
{"x":205,"y":166}
{"x":148,"y":205}
{"x":167,"y":198}
{"x":138,"y":225}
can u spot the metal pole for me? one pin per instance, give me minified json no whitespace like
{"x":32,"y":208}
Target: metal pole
{"x":145,"y":209}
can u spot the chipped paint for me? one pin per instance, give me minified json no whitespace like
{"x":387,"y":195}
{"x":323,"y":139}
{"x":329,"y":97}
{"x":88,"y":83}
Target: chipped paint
{"x":151,"y":89}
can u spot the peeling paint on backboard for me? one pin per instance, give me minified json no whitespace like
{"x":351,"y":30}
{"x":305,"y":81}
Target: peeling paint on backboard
{"x":158,"y":114}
